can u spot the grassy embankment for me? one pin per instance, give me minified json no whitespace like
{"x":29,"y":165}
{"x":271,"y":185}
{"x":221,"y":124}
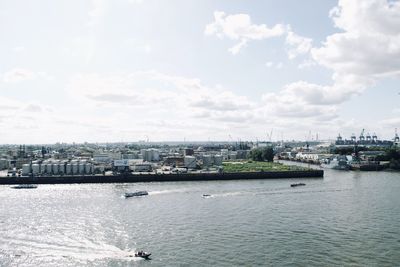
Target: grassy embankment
{"x":257,"y":166}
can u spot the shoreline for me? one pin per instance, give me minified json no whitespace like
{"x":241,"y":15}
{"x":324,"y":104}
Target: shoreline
{"x":137,"y":178}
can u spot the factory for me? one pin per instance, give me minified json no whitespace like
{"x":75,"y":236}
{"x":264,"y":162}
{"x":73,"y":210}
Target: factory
{"x":58,"y":167}
{"x":366,"y":139}
{"x":112,"y":158}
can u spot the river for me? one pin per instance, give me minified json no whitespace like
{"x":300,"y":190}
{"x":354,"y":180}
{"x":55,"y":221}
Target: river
{"x":346,"y":218}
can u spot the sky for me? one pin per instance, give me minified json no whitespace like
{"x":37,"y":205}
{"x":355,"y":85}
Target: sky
{"x":199,"y":70}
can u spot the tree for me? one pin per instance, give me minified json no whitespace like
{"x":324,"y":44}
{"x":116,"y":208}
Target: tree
{"x":262,"y":154}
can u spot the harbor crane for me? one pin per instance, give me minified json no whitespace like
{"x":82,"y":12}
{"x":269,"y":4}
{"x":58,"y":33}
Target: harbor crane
{"x":269,"y":136}
{"x":362,"y":138}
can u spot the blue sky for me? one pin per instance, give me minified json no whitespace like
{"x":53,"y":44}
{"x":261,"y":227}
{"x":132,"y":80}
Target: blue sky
{"x":102,"y":70}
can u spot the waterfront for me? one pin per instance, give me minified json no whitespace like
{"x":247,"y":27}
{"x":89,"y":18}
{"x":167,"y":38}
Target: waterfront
{"x":347,"y":218}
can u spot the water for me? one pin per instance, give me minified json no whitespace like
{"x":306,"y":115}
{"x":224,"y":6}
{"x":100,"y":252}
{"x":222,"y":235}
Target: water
{"x":347,"y":218}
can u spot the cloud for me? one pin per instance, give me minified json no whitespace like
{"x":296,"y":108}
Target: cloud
{"x":391,"y":122}
{"x":239,"y":27}
{"x":366,"y":50}
{"x":18,"y":75}
{"x":19,"y":49}
{"x":155,"y":89}
{"x":369,"y":44}
{"x":136,"y":1}
{"x":151,"y":96}
{"x":97,"y":12}
{"x":299,"y":45}
{"x":277,"y":65}
{"x":33,"y":108}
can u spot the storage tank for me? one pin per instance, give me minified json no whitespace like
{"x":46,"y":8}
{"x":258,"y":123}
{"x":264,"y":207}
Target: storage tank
{"x":61,"y":168}
{"x":207,"y":160}
{"x":218,"y":160}
{"x":82,"y":166}
{"x":75,"y":168}
{"x":26,"y":169}
{"x":35,"y":169}
{"x":54,"y":168}
{"x":45,"y":167}
{"x":68,"y":169}
{"x":190,"y":162}
{"x":88,"y":168}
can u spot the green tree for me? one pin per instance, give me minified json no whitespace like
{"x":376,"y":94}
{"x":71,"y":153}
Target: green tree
{"x":262,"y":154}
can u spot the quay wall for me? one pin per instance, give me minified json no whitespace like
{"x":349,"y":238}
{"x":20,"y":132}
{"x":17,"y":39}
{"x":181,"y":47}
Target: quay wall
{"x":130,"y":178}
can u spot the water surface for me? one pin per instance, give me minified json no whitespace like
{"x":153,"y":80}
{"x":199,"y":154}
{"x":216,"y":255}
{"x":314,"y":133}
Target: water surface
{"x":347,"y":218}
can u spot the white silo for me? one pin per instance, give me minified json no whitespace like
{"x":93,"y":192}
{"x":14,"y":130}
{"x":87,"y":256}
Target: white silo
{"x":190,"y":162}
{"x":155,"y":155}
{"x":61,"y":168}
{"x":68,"y":168}
{"x":82,"y":167}
{"x":75,"y":167}
{"x":54,"y":168}
{"x":26,"y":169}
{"x":218,"y":160}
{"x":35,"y":169}
{"x":46,"y":168}
{"x":207,"y":160}
{"x":88,"y":168}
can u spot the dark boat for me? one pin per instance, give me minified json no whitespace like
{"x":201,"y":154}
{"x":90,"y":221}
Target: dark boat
{"x":206,"y":195}
{"x":298,"y":184}
{"x":24,"y":186}
{"x":136,"y":194}
{"x":142,"y":254}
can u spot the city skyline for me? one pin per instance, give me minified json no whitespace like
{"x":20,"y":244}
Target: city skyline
{"x":129,"y":70}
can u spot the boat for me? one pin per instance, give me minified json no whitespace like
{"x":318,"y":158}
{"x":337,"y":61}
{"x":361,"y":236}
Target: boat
{"x":136,"y":194}
{"x":298,"y":184}
{"x":142,"y":254}
{"x":337,"y":163}
{"x":366,"y":166}
{"x":24,"y":186}
{"x":206,"y":195}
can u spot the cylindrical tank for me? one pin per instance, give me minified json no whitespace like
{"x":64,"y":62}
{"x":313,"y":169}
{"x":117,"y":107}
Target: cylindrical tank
{"x":75,"y":167}
{"x":88,"y":168}
{"x":82,"y":168}
{"x":61,"y":168}
{"x":35,"y":169}
{"x":68,"y":168}
{"x":26,"y":169}
{"x":44,"y":168}
{"x":218,"y":160}
{"x":207,"y":160}
{"x":54,"y":168}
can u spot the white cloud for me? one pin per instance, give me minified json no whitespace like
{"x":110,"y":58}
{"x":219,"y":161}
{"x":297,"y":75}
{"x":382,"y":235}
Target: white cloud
{"x":369,"y":45}
{"x":299,"y":45}
{"x":136,"y":1}
{"x":155,"y":89}
{"x":18,"y":75}
{"x":367,"y":49}
{"x":277,"y":65}
{"x":97,"y":12}
{"x":19,"y":49}
{"x":240,"y":27}
{"x":307,"y":64}
{"x":269,"y":64}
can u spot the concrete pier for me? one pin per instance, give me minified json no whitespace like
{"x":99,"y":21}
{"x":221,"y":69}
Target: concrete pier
{"x":129,"y":178}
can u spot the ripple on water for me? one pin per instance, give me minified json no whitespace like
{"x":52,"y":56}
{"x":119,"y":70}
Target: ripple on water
{"x":339,"y":220}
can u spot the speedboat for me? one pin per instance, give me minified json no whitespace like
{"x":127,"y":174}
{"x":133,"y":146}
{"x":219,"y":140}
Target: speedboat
{"x":24,"y":186}
{"x":136,"y":194}
{"x":142,"y":254}
{"x":298,"y":184}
